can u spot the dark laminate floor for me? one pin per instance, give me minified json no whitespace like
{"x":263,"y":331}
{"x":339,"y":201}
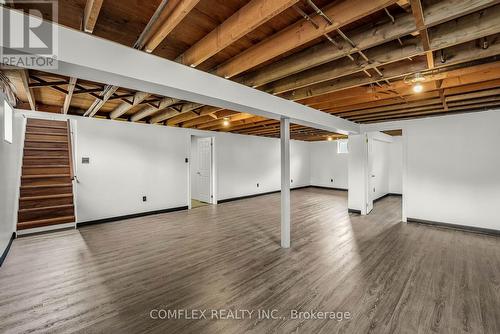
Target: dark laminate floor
{"x":392,"y":277}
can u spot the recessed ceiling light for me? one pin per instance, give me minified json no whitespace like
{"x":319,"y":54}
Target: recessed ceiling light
{"x":329,"y":138}
{"x":225,"y":122}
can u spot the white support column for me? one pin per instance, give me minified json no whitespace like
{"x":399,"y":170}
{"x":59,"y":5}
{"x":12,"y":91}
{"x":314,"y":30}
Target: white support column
{"x":285,"y":182}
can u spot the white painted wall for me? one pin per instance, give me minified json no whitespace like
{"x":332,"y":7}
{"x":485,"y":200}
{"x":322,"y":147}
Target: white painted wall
{"x":244,"y":161}
{"x":326,"y":165}
{"x":356,"y":197}
{"x":450,"y":168}
{"x":9,"y":178}
{"x":130,"y":160}
{"x":194,"y":166}
{"x":396,"y":166}
{"x":453,"y":169}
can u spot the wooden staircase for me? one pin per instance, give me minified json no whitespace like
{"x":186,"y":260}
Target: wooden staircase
{"x":46,"y":196}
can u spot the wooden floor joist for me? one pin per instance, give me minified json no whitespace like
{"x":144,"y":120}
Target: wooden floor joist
{"x":361,"y":72}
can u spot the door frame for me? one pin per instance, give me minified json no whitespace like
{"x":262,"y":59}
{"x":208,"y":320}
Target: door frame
{"x":213,"y":176}
{"x":369,"y":137}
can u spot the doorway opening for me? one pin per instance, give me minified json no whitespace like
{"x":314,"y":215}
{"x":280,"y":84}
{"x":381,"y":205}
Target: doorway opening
{"x":202,"y":172}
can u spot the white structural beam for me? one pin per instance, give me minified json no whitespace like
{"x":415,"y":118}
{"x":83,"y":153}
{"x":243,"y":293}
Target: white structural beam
{"x":87,"y":57}
{"x":285,"y":182}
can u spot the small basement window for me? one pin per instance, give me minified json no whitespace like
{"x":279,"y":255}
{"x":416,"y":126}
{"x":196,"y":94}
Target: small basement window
{"x":342,"y":146}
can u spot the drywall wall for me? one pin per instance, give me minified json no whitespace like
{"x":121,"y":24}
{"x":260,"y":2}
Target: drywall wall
{"x":130,"y":160}
{"x":328,"y":168}
{"x":135,"y":160}
{"x":356,"y":197}
{"x":251,"y":165}
{"x":453,"y":169}
{"x":193,"y":162}
{"x":396,"y":166}
{"x":9,"y":178}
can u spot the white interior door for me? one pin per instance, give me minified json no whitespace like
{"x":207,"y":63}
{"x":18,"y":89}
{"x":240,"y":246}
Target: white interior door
{"x":204,"y":170}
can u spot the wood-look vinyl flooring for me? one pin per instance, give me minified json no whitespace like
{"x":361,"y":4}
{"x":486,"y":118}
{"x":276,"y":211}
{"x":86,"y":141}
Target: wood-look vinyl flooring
{"x":391,"y":276}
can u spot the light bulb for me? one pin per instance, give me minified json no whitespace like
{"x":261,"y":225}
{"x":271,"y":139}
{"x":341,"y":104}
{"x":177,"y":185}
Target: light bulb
{"x":329,"y":139}
{"x":225,"y":122}
{"x":417,"y":88}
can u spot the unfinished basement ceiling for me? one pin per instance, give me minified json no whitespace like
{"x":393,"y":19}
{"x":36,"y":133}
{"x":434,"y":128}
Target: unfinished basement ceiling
{"x":358,"y":60}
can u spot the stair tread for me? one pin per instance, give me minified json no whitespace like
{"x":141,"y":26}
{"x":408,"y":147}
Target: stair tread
{"x":45,"y":133}
{"x":41,"y":176}
{"x":49,"y":126}
{"x":46,"y":166}
{"x":46,"y":149}
{"x":46,"y":222}
{"x":47,"y":208}
{"x":57,"y":185}
{"x":31,"y":198}
{"x":46,"y":141}
{"x":44,"y":157}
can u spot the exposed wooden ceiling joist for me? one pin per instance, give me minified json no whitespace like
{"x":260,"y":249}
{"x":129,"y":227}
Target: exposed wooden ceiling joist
{"x":379,"y":56}
{"x":418,"y":14}
{"x":320,"y":74}
{"x":176,"y":13}
{"x":245,"y":20}
{"x":326,"y":51}
{"x":341,"y":13}
{"x":99,"y":102}
{"x":126,"y":106}
{"x":69,"y":95}
{"x":90,"y":14}
{"x":29,"y":92}
{"x":167,"y":114}
{"x":151,"y":110}
{"x":362,"y":37}
{"x":450,"y":34}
